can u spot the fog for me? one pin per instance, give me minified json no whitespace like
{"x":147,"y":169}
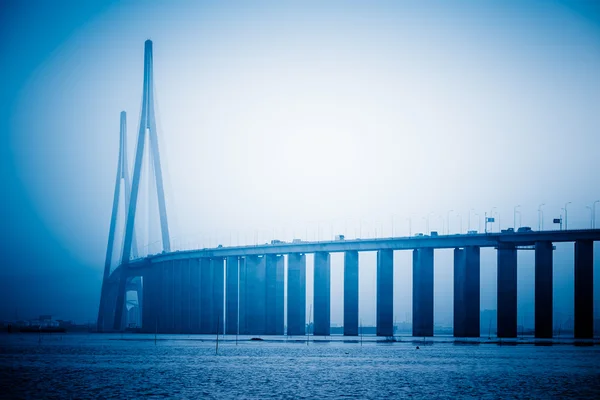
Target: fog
{"x":282,"y":121}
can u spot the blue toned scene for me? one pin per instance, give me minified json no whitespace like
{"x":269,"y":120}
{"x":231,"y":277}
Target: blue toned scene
{"x":299,"y":199}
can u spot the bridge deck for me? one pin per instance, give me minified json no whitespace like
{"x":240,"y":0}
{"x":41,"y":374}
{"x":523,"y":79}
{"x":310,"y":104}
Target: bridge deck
{"x":398,"y":243}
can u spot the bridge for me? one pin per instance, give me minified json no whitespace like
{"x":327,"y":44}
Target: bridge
{"x":240,"y":289}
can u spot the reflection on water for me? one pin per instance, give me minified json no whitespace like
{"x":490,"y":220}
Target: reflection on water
{"x":94,"y":365}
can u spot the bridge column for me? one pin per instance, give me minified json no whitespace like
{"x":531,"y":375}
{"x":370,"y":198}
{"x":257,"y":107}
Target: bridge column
{"x":184,"y":266}
{"x":296,"y":324}
{"x":231,"y":309}
{"x":423,"y":292}
{"x":206,"y":297}
{"x":543,"y":290}
{"x":152,"y":299}
{"x":274,"y":295}
{"x":253,"y":295}
{"x":140,"y":298}
{"x":119,"y":300}
{"x":147,"y":299}
{"x":177,"y":298}
{"x":166,"y":322}
{"x":584,"y":289}
{"x":218,"y":267}
{"x":322,"y":294}
{"x":280,"y":295}
{"x":385,"y":293}
{"x":507,"y":291}
{"x":466,"y":292}
{"x":195,"y":300}
{"x":351,"y":293}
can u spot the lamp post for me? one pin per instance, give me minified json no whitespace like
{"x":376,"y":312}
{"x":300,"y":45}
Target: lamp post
{"x":515,"y":216}
{"x":591,"y":216}
{"x":428,"y":215}
{"x":472,"y":209}
{"x":567,"y":216}
{"x":541,"y":217}
{"x":448,"y":222}
{"x":594,"y":213}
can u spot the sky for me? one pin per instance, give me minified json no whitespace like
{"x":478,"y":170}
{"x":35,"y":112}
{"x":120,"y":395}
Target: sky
{"x":296,"y":119}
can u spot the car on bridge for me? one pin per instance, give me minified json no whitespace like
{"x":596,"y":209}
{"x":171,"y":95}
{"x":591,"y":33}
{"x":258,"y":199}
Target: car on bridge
{"x":524,"y":229}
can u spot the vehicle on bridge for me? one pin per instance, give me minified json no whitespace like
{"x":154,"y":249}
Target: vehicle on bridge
{"x":524,"y":229}
{"x":340,"y":237}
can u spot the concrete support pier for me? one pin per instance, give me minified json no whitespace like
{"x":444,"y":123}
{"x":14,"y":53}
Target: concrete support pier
{"x":218,"y":270}
{"x":177,"y":298}
{"x":195,"y":310}
{"x":543,"y":289}
{"x":423,"y":292}
{"x":185,"y":296}
{"x":231,"y":293}
{"x":584,"y":289}
{"x":351,"y":293}
{"x":507,"y":291}
{"x":296,"y":306}
{"x":322,"y":294}
{"x":253,"y":296}
{"x":167,"y":305}
{"x":152,"y":298}
{"x":385,"y":293}
{"x":466,"y":292}
{"x":206,"y":297}
{"x":274,"y":295}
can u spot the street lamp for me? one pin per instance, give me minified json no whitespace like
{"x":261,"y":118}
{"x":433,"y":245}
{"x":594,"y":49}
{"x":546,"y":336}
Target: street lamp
{"x":472,"y":209}
{"x":428,"y":215}
{"x":567,"y":216}
{"x":591,"y":216}
{"x":448,"y":222}
{"x":594,"y":213}
{"x":515,"y":216}
{"x":541,"y":217}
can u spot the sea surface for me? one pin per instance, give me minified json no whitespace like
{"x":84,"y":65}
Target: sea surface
{"x":82,"y":366}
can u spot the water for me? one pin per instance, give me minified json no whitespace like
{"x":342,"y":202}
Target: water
{"x":186,"y":367}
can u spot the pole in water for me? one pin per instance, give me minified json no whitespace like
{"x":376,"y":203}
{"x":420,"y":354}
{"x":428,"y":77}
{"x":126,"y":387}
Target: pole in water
{"x":217,"y":348}
{"x":308,"y":327}
{"x":361,"y":332}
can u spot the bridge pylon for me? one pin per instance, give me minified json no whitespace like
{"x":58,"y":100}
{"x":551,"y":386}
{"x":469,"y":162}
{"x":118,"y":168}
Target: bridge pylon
{"x":105,"y":311}
{"x":147,"y":127}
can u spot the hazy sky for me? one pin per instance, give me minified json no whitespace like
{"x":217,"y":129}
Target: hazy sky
{"x":296,"y":119}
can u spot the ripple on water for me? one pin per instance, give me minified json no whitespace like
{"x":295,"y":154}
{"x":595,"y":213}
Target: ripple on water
{"x":83,"y":366}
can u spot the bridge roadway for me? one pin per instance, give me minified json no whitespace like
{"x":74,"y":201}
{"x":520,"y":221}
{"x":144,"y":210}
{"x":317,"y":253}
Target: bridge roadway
{"x":189,"y":291}
{"x":397,"y":243}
